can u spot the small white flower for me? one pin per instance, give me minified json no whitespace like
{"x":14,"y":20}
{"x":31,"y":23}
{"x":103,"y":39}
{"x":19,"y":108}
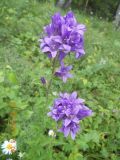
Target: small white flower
{"x":8,"y":147}
{"x":54,"y":93}
{"x":51,"y":133}
{"x":103,"y":61}
{"x":20,"y":155}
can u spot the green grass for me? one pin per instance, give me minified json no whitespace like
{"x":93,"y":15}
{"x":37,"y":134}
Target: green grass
{"x":23,"y":101}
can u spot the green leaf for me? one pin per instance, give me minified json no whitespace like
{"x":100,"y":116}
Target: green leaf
{"x":12,"y":77}
{"x":1,"y":77}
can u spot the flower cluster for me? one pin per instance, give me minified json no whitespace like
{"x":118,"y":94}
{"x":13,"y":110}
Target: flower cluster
{"x":9,"y":147}
{"x":69,"y":110}
{"x":62,"y":36}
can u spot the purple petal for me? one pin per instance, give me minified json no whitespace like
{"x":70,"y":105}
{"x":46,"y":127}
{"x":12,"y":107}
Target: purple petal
{"x":47,"y":40}
{"x":54,"y":54}
{"x":68,"y":75}
{"x":42,"y":45}
{"x":69,"y":67}
{"x":66,"y":47}
{"x":57,"y":39}
{"x":46,"y":49}
{"x":64,"y":79}
{"x":68,"y":112}
{"x":61,"y":56}
{"x":66,"y":131}
{"x":49,"y":114}
{"x":76,"y":109}
{"x":84,"y":113}
{"x":81,"y":27}
{"x":67,"y":122}
{"x":76,"y":120}
{"x":80,"y":101}
{"x":73,"y":135}
{"x":58,"y":73}
{"x":74,"y":95}
{"x":80,"y":53}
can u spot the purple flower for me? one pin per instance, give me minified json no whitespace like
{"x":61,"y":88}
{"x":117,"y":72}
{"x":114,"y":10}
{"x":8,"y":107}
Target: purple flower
{"x":51,"y":45}
{"x":63,"y":72}
{"x":72,"y":129}
{"x":69,"y":110}
{"x":62,"y":36}
{"x":43,"y":80}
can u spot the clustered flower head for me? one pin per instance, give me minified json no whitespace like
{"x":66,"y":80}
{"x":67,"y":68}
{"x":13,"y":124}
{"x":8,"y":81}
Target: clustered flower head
{"x":9,"y":147}
{"x":62,"y":36}
{"x":69,"y":110}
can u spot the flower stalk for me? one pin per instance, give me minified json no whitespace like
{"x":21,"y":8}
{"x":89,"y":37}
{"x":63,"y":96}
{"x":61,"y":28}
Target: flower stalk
{"x":64,"y":36}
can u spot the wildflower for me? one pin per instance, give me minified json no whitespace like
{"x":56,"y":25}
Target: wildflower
{"x":54,"y":93}
{"x":9,"y":147}
{"x":43,"y":80}
{"x":62,"y":36}
{"x":69,"y":110}
{"x":51,"y":45}
{"x":103,"y":61}
{"x":63,"y":72}
{"x":51,"y":133}
{"x":20,"y":155}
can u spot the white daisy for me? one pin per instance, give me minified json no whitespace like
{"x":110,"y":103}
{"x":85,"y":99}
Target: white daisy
{"x":51,"y":133}
{"x":8,"y":147}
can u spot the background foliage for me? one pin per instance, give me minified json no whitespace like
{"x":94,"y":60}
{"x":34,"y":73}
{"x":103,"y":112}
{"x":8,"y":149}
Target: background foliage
{"x":23,"y":102}
{"x":101,"y":8}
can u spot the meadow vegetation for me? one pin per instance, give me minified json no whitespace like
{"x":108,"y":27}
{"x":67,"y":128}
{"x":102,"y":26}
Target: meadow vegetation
{"x":23,"y":105}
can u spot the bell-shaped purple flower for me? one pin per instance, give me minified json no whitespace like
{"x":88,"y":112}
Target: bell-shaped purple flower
{"x":50,"y":45}
{"x":69,"y":110}
{"x":72,"y":129}
{"x":63,"y":72}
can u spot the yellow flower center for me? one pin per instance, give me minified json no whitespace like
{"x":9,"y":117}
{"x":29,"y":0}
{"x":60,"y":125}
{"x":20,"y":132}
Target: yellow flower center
{"x":9,"y":146}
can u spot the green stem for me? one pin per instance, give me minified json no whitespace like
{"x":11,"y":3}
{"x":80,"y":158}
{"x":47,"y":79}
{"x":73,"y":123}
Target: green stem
{"x":47,"y":95}
{"x":50,"y":82}
{"x":48,"y":88}
{"x":51,"y":147}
